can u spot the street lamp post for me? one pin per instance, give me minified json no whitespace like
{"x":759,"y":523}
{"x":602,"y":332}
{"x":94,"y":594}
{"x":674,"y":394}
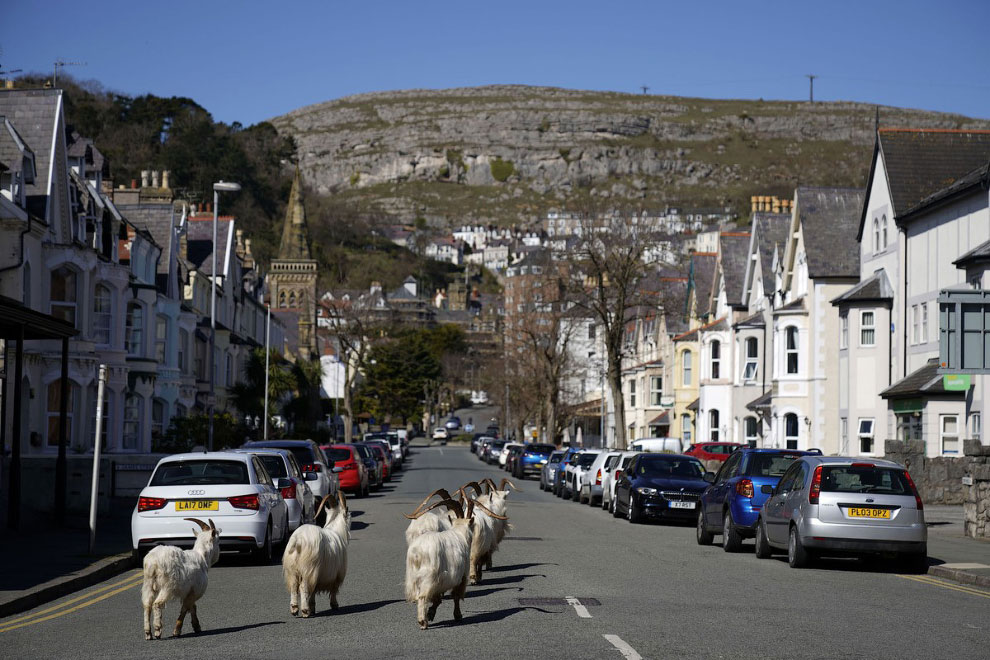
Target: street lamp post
{"x":218,"y":187}
{"x":268,"y":327}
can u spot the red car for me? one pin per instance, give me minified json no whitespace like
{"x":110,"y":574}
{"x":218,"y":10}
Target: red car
{"x":712,"y":451}
{"x":353,"y":475}
{"x":384,"y":455}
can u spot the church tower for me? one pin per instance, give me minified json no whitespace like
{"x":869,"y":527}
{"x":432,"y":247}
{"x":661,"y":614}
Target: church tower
{"x":292,"y":278}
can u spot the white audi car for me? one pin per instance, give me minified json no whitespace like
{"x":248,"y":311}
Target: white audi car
{"x":232,"y":489}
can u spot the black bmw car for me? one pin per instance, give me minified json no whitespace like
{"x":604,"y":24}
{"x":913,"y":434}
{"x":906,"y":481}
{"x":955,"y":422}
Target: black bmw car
{"x":665,"y":486}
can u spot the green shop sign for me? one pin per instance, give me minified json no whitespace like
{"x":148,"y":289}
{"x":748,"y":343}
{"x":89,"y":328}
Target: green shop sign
{"x":957,"y":382}
{"x":907,"y":405}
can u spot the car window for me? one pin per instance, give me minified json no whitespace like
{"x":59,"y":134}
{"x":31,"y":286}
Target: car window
{"x":585,"y":460}
{"x":274,"y":465}
{"x":768,"y":465}
{"x":730,"y":468}
{"x":200,"y":472}
{"x":304,"y":455}
{"x":675,"y":467}
{"x":625,"y":461}
{"x":363,"y":451}
{"x":294,"y":466}
{"x":611,"y":461}
{"x":864,"y":479}
{"x":555,"y":458}
{"x":259,"y":469}
{"x":337,"y":454}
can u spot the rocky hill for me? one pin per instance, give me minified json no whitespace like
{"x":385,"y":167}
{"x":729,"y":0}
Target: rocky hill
{"x":509,"y":153}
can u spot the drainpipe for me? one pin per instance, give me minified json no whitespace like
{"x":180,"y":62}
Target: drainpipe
{"x":20,"y":262}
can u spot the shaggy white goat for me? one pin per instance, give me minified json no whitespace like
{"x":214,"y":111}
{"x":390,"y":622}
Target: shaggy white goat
{"x":495,"y":500}
{"x":315,"y":559}
{"x":429,"y":521}
{"x":171,"y":573}
{"x":438,"y":562}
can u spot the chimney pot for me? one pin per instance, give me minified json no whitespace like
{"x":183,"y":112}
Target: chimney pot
{"x":154,"y":178}
{"x":165,"y":177}
{"x":133,"y":183}
{"x":144,"y":178}
{"x":209,"y":207}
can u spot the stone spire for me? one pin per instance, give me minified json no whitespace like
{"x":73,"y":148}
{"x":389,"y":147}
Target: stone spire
{"x":295,"y":238}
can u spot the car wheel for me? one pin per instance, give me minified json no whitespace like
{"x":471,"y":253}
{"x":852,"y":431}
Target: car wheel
{"x":604,"y":504}
{"x":576,"y":495}
{"x":797,"y":555}
{"x":263,"y":555}
{"x":614,"y":507}
{"x":632,"y":511}
{"x":763,"y":549}
{"x":731,"y":540}
{"x":702,"y":535}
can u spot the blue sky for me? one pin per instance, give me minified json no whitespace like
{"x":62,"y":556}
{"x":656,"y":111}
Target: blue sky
{"x":248,"y":61}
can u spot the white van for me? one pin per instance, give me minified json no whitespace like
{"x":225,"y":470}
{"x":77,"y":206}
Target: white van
{"x":657,"y":445}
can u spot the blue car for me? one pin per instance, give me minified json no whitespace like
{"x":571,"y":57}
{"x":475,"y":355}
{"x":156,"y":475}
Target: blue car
{"x":665,"y":486}
{"x":731,"y":505}
{"x":532,"y":459}
{"x":557,"y":485}
{"x":549,"y":470}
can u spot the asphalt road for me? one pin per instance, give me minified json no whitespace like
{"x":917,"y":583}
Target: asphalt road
{"x":648,"y":590}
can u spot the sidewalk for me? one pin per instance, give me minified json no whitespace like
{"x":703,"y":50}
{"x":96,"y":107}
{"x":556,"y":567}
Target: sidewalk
{"x":40,"y":563}
{"x":951,"y":554}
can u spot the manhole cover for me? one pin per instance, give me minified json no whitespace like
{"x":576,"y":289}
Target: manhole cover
{"x":587,"y":602}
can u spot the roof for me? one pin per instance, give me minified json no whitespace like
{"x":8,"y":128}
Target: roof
{"x":874,"y":289}
{"x":15,"y":318}
{"x":793,"y":306}
{"x":702,"y":275}
{"x":979,"y":254}
{"x":753,"y":321}
{"x":829,"y":219}
{"x":14,"y":149}
{"x":295,"y":237}
{"x":662,"y":418}
{"x":923,"y":382}
{"x":718,"y":324}
{"x":158,"y":220}
{"x":921,"y":162}
{"x":770,"y":231}
{"x":761,"y":402}
{"x":976,"y":180}
{"x":733,"y":250}
{"x":34,"y":112}
{"x":199,"y":241}
{"x":694,"y":404}
{"x":82,"y":147}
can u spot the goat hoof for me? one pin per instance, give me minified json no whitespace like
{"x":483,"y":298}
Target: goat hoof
{"x":304,"y":614}
{"x":147,"y":635}
{"x":197,"y":629}
{"x":423,"y":625}
{"x":458,"y":616}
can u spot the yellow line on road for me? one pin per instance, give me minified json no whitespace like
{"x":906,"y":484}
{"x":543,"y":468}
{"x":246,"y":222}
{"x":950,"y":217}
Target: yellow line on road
{"x":36,"y":617}
{"x":945,"y":585}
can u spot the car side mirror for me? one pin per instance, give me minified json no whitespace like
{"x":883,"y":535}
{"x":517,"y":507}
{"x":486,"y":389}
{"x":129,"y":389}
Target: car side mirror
{"x":766,"y":489}
{"x":709,"y":477}
{"x":282,"y":483}
{"x":337,"y":468}
{"x":311,"y":476}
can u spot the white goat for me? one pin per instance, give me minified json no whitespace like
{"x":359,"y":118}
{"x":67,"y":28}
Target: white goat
{"x":495,"y":500}
{"x":429,"y":521}
{"x":315,"y":559}
{"x":171,"y":573}
{"x":438,"y":562}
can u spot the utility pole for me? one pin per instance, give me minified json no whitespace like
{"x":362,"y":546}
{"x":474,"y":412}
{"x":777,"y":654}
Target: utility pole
{"x":645,"y":89}
{"x":811,"y":92}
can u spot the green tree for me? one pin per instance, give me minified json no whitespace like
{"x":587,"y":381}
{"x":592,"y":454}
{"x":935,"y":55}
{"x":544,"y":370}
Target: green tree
{"x":248,"y":395}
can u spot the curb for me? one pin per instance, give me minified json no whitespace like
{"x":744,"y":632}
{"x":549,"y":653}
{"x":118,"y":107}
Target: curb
{"x":965,"y":577}
{"x":53,"y":589}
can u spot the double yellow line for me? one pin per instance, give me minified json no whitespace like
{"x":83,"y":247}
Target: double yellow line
{"x":90,"y":598}
{"x":945,"y":585}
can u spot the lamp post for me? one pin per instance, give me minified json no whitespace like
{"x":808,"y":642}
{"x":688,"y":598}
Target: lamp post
{"x":218,"y":187}
{"x":268,"y":327}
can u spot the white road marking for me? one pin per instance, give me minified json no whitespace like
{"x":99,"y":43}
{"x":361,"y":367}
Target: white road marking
{"x":441,"y":451}
{"x":626,"y":650}
{"x":581,"y":610}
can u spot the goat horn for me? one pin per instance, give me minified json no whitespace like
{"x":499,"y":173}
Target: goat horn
{"x":491,"y":484}
{"x":470,"y":508}
{"x":450,"y":504}
{"x":342,"y":499}
{"x":506,"y":481}
{"x":202,"y":525}
{"x":481,"y":506}
{"x":212,"y":526}
{"x":472,"y":484}
{"x":439,"y":491}
{"x":320,"y":508}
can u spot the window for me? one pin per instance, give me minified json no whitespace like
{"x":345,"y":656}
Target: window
{"x":180,"y":411}
{"x":157,"y":417}
{"x":26,"y":285}
{"x":63,"y":294}
{"x":292,"y":299}
{"x":949,"y":425}
{"x":183,"y":348}
{"x":591,"y":331}
{"x":686,"y":367}
{"x":876,"y":235}
{"x":865,"y":434}
{"x":135,"y":328}
{"x":844,"y":435}
{"x":915,"y":324}
{"x":750,"y":431}
{"x":844,"y":331}
{"x":686,"y":428}
{"x":132,"y":421}
{"x":909,"y":426}
{"x":161,"y":336}
{"x":924,"y":323}
{"x":975,"y":425}
{"x":867,"y":329}
{"x":281,"y":298}
{"x":883,"y":233}
{"x":752,"y":357}
{"x":54,"y":409}
{"x":200,"y":365}
{"x":102,"y":315}
{"x":656,"y":390}
{"x":791,"y":349}
{"x":713,"y":425}
{"x":716,"y":358}
{"x":229,"y":371}
{"x":790,"y":431}
{"x":632,"y":392}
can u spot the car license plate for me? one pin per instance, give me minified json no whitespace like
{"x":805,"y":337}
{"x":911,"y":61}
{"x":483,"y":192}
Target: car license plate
{"x":855,"y":512}
{"x":681,"y":505}
{"x":197,"y":505}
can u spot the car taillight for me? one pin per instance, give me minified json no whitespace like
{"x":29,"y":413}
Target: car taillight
{"x":869,"y":465}
{"x":311,"y":467}
{"x":151,"y":503}
{"x":917,"y":498}
{"x":289,"y":492}
{"x":744,"y":487}
{"x":618,"y":473}
{"x":598,"y":478}
{"x":816,"y":486}
{"x":244,"y":501}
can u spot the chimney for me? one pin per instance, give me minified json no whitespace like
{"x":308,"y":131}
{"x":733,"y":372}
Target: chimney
{"x":154,"y":178}
{"x":754,"y":203}
{"x":776,"y":204}
{"x":239,"y":242}
{"x":144,"y":178}
{"x":165,"y":178}
{"x":209,"y":207}
{"x":133,"y":183}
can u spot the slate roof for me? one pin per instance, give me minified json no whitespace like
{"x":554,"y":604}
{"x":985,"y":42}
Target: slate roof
{"x":703,"y":275}
{"x":771,"y":234}
{"x":921,"y":162}
{"x":873,"y":289}
{"x":829,"y":220}
{"x":83,"y":147}
{"x":676,"y":292}
{"x":753,"y":321}
{"x":33,"y":112}
{"x":199,"y":241}
{"x":925,"y":381}
{"x":694,"y":404}
{"x":13,"y":148}
{"x":978,"y":254}
{"x":158,"y":220}
{"x":662,"y":418}
{"x":733,"y":250}
{"x":761,"y":402}
{"x":967,"y":184}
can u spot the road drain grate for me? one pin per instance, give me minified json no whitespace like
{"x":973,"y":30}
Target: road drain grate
{"x":522,"y":538}
{"x":587,"y":602}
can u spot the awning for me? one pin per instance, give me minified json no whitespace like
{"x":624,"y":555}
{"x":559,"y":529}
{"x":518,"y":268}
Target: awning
{"x":761,"y":403}
{"x":694,"y":404}
{"x":663,"y":419}
{"x":923,"y":382}
{"x":37,"y":325}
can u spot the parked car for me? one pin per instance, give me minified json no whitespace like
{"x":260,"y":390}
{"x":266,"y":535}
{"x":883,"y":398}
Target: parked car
{"x":383,"y":457}
{"x":504,"y":454}
{"x":476,"y":440}
{"x":485,"y":448}
{"x":386,"y":448}
{"x":657,"y":485}
{"x":575,"y":470}
{"x":453,"y":423}
{"x":404,"y":441}
{"x":659,"y":445}
{"x":558,"y":477}
{"x":231,"y":488}
{"x":512,"y":456}
{"x":314,"y":464}
{"x":836,"y":505}
{"x":492,"y":430}
{"x":592,"y":480}
{"x":376,"y":476}
{"x":610,"y":478}
{"x":711,"y":452}
{"x":731,"y":505}
{"x":493,"y":451}
{"x":549,"y":469}
{"x":398,"y":451}
{"x":299,"y":499}
{"x":442,"y":434}
{"x":353,"y":474}
{"x":534,"y":457}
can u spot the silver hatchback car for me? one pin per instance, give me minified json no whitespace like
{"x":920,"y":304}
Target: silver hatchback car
{"x":838,"y":506}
